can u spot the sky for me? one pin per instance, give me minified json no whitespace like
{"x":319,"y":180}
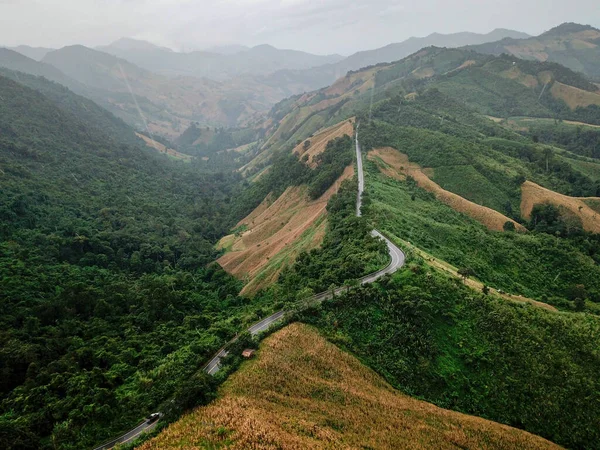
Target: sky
{"x":316,"y":26}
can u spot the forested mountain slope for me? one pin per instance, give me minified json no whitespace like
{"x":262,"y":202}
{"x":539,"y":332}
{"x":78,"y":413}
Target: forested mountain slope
{"x":108,"y":303}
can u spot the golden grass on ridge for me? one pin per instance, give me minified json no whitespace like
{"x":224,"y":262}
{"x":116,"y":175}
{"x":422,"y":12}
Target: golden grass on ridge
{"x":302,"y":392}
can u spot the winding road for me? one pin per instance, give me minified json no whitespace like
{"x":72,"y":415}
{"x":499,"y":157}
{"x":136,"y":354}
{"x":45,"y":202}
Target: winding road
{"x":397,"y":258}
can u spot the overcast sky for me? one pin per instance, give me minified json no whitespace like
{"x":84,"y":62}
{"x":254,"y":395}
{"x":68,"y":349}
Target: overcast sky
{"x":318,"y":26}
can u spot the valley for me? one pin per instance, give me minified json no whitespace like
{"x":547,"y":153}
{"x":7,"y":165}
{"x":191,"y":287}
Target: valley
{"x":249,"y":246}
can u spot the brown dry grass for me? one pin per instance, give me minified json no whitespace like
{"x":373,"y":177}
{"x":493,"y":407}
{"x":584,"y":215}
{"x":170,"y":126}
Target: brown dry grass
{"x":573,"y":96}
{"x":319,"y":141}
{"x":302,"y":392}
{"x":276,"y":227}
{"x":514,"y":73}
{"x":162,"y":148}
{"x":532,"y":194}
{"x":398,"y":166}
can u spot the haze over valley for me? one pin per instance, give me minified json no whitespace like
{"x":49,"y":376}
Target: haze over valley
{"x":289,"y":225}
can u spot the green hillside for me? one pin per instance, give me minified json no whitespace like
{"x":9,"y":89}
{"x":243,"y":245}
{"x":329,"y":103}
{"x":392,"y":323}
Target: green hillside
{"x":499,"y":86}
{"x":108,"y":303}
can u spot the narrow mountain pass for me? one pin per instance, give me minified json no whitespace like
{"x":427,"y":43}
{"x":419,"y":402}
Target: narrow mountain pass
{"x":397,"y":258}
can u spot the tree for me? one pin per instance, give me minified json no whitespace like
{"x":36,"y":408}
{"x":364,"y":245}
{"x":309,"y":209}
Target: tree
{"x":509,"y":225}
{"x":579,"y":304}
{"x":306,"y":145}
{"x":466,"y":272}
{"x":485,"y":289}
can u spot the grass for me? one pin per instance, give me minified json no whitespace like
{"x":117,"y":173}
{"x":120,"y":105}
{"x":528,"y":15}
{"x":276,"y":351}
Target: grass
{"x":537,"y":266}
{"x":303,"y":392}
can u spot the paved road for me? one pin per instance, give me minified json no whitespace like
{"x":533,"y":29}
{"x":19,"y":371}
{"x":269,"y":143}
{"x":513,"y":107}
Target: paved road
{"x":145,"y":426}
{"x":397,"y":258}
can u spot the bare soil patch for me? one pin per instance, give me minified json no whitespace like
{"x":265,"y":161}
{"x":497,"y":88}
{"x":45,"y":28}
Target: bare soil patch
{"x":319,"y":141}
{"x":161,"y":148}
{"x":276,"y":232}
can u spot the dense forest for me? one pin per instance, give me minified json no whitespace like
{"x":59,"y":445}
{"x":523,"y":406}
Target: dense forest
{"x":109,"y":299}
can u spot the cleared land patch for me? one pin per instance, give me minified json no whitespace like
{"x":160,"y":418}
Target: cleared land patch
{"x":397,"y":165}
{"x":303,"y":392}
{"x":533,"y":194}
{"x":573,"y":96}
{"x":276,"y":232}
{"x":161,"y":148}
{"x":319,"y":141}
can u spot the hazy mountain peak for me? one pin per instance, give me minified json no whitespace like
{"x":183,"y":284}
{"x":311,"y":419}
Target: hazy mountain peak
{"x":567,"y":27}
{"x":227,"y":49}
{"x":126,"y":43}
{"x":36,"y":53}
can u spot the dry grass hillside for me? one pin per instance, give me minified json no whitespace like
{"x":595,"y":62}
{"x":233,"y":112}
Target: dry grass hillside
{"x":319,"y":141}
{"x":275,"y":233}
{"x":302,"y":392}
{"x":532,"y":194}
{"x":161,"y":148}
{"x":396,"y":165}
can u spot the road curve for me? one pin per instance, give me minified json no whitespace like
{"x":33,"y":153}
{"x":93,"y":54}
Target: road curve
{"x":144,"y":427}
{"x":397,"y":259}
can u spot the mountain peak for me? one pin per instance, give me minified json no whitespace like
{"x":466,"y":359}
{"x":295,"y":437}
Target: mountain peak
{"x":127,"y":43}
{"x":567,"y":27}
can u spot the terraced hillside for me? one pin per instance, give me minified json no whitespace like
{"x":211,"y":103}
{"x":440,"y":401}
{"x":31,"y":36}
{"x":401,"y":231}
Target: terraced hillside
{"x":275,"y":233}
{"x":303,"y":392}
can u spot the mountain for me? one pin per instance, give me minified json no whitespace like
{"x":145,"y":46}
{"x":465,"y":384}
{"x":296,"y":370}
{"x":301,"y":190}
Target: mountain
{"x":573,"y":45}
{"x":500,"y":86}
{"x":98,"y":236}
{"x":217,"y":65}
{"x":36,"y":53}
{"x":395,"y":52}
{"x":129,"y":44}
{"x":13,"y":60}
{"x":322,"y":76}
{"x":330,"y":393}
{"x":228,"y":49}
{"x":169,"y":105}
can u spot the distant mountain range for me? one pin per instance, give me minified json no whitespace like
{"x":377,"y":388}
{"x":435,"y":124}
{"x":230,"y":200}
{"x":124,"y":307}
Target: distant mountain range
{"x":572,"y":45}
{"x":219,"y":64}
{"x":234,"y":85}
{"x":36,"y":53}
{"x":327,"y":74}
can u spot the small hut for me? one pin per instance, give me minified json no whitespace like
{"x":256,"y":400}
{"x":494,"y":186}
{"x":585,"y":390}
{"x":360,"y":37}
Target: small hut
{"x":248,"y":353}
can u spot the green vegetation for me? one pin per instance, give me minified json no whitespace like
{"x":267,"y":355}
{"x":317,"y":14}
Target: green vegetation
{"x":348,"y":251}
{"x":436,"y":339}
{"x":108,"y":303}
{"x":536,"y":265}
